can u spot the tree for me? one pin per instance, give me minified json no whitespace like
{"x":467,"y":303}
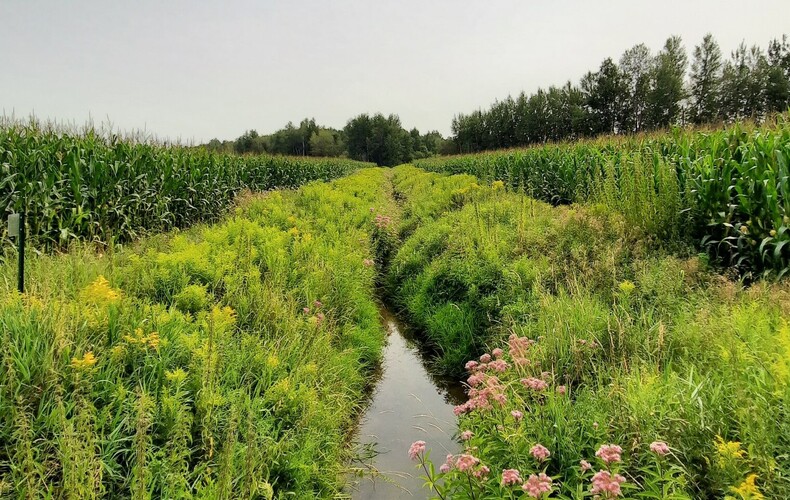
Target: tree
{"x":326,"y":142}
{"x":706,"y":81}
{"x":637,"y":67}
{"x":379,"y":139}
{"x":744,"y":83}
{"x":667,"y":93}
{"x":777,"y":91}
{"x":250,"y":142}
{"x":605,"y":92}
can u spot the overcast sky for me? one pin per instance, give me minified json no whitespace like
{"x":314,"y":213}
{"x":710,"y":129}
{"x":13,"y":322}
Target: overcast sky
{"x":200,"y":69}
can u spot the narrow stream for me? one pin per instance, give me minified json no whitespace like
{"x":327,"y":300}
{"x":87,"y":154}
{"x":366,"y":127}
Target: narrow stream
{"x":409,"y":402}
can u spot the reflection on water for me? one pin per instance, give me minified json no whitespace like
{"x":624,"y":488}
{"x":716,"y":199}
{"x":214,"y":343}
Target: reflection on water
{"x":408,"y":403}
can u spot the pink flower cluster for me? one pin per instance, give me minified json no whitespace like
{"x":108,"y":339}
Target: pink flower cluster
{"x":416,"y":449}
{"x":510,"y":477}
{"x":609,"y":453}
{"x":466,"y":462}
{"x":519,"y":348}
{"x":466,"y":435}
{"x":540,"y":452}
{"x":368,"y":263}
{"x":535,"y":384}
{"x":659,"y":448}
{"x":485,"y":390}
{"x":536,"y":485}
{"x":606,"y":484}
{"x":382,"y":221}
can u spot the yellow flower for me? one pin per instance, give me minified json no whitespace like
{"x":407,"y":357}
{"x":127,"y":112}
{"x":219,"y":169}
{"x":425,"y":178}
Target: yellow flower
{"x":117,"y":352}
{"x":293,"y":232}
{"x":100,"y":292}
{"x":747,"y":489}
{"x":87,"y":361}
{"x":497,"y":185}
{"x":728,"y":449}
{"x":176,"y":376}
{"x":272,"y":361}
{"x":627,"y":287}
{"x":153,"y":340}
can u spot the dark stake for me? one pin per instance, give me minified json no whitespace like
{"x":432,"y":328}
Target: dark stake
{"x":16,"y":229}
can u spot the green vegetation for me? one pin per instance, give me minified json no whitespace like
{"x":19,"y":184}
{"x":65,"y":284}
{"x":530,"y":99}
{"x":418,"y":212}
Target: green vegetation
{"x":88,"y":187}
{"x":227,"y":361}
{"x":379,"y":139}
{"x":728,"y":191}
{"x":590,"y":333}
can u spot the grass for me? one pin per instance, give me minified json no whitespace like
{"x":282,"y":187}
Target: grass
{"x":632,"y":344}
{"x":726,"y":191}
{"x":227,"y":361}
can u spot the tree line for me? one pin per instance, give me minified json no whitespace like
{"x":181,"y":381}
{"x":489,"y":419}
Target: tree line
{"x":379,"y":139}
{"x":643,"y":91}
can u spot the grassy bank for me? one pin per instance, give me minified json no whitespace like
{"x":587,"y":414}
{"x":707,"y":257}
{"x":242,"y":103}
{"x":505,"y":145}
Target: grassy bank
{"x":592,"y":333}
{"x":223,"y":362}
{"x":85,"y":186}
{"x":726,"y":191}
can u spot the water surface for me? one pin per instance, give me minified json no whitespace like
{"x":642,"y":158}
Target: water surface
{"x":409,"y":402}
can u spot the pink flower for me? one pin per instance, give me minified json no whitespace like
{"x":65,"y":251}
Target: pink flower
{"x":482,"y":472}
{"x":500,"y":365}
{"x":535,"y":384}
{"x":521,"y":361}
{"x":561,"y":390}
{"x":306,"y":310}
{"x":320,"y":317}
{"x":606,"y":484}
{"x":485,"y":358}
{"x":519,"y":346}
{"x":471,"y":365}
{"x":416,"y":449}
{"x":517,"y":415}
{"x":466,"y":462}
{"x":317,"y":304}
{"x":368,"y":263}
{"x":595,"y":425}
{"x":497,"y":353}
{"x":609,"y":453}
{"x":500,"y":398}
{"x":585,"y":465}
{"x":475,"y":379}
{"x":372,"y":209}
{"x":540,"y":452}
{"x":447,"y":465}
{"x":510,"y":476}
{"x":537,"y":485}
{"x":659,"y":448}
{"x":466,"y":435}
{"x":461,"y":409}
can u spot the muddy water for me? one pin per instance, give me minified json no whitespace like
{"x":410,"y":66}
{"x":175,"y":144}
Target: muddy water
{"x":409,"y":402}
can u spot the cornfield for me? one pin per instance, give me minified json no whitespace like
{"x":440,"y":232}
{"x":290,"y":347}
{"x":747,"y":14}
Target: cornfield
{"x":727,"y":191}
{"x":86,"y":186}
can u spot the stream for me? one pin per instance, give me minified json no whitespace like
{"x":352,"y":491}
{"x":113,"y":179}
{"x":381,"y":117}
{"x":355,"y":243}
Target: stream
{"x":408,"y":403}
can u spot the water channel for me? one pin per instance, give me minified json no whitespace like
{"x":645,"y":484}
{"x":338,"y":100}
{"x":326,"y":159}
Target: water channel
{"x":408,"y":403}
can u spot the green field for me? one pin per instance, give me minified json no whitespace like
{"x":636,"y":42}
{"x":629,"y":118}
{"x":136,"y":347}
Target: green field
{"x":621,"y":291}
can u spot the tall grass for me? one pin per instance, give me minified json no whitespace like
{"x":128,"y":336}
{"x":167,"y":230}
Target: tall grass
{"x":226,"y":361}
{"x":85,"y":185}
{"x":601,"y":336}
{"x":727,"y":190}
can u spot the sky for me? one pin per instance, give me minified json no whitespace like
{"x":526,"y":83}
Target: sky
{"x":195,"y":70}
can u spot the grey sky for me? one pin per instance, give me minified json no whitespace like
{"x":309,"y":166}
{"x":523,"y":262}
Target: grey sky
{"x":196,"y":70}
